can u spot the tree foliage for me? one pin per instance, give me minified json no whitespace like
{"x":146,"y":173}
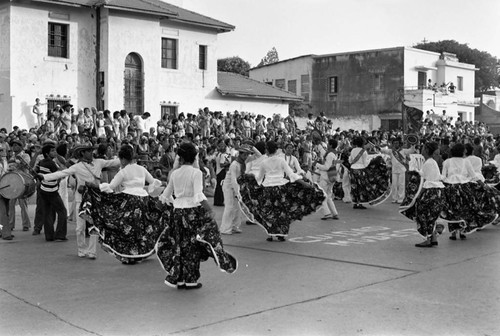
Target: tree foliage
{"x":233,"y":64}
{"x":270,"y":58}
{"x":486,"y":77}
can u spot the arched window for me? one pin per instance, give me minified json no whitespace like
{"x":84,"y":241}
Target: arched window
{"x":134,"y":84}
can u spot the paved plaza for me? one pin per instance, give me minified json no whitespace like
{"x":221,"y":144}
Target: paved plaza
{"x":360,"y":275}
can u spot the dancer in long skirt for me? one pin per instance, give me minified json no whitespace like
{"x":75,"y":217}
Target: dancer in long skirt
{"x":428,"y":202}
{"x":192,"y":235}
{"x":459,"y":192}
{"x":370,"y":181}
{"x":129,"y":222}
{"x":273,"y":201}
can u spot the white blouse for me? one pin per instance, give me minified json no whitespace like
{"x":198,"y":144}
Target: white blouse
{"x":273,"y":170}
{"x":186,"y":183}
{"x":131,"y":180}
{"x":476,"y":164}
{"x":457,"y":170}
{"x":431,"y":174}
{"x":363,"y":160}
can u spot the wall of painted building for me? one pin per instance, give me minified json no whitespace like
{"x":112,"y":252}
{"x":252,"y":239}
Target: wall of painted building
{"x":357,"y":93}
{"x":34,"y":73}
{"x":267,"y":108}
{"x":290,"y":70}
{"x":5,"y":95}
{"x":133,"y":33}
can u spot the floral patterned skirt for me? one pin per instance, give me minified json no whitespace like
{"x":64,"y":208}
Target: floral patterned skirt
{"x":275,"y":208}
{"x":128,"y":225}
{"x":372,"y":184}
{"x":190,"y":238}
{"x":465,"y":207}
{"x":425,"y":210}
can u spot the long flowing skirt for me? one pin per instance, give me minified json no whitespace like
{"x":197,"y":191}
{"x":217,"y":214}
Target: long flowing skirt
{"x":372,"y":184}
{"x":275,"y":208}
{"x":190,"y":238}
{"x":128,"y":225}
{"x":465,"y":207}
{"x":423,"y":206}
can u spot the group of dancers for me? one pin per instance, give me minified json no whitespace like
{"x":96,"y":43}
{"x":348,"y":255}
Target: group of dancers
{"x":177,"y":223}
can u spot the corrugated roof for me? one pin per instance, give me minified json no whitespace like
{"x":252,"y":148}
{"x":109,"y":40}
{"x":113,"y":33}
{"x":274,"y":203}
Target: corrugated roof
{"x":232,"y":84}
{"x":154,"y":7}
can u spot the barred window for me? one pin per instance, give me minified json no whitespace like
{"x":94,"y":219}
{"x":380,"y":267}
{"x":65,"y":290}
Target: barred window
{"x":168,"y":53}
{"x":58,"y":40}
{"x":333,"y":85}
{"x":203,"y":58}
{"x":304,"y":87}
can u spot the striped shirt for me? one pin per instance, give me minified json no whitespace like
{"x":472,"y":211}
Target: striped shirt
{"x":47,"y":166}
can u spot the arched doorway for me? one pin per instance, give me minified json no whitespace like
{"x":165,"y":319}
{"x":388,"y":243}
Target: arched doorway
{"x":134,"y":84}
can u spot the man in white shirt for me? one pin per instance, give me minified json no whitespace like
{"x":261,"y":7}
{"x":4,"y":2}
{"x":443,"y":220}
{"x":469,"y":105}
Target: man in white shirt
{"x":87,"y":169}
{"x":232,"y":216}
{"x":291,"y":160}
{"x":400,"y":164}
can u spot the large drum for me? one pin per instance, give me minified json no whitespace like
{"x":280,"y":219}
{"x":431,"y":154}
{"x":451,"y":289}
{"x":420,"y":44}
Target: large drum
{"x":17,"y":185}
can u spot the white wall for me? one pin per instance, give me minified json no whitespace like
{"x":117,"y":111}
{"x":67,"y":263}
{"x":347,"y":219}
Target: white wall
{"x":186,"y":85}
{"x":5,"y":105}
{"x":288,"y":70}
{"x":265,"y":107}
{"x":35,"y":74}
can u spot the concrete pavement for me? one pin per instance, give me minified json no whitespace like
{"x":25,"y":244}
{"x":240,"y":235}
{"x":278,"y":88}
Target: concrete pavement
{"x":360,"y":275}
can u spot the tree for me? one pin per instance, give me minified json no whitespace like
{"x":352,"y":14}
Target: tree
{"x":486,"y":77}
{"x":271,"y":57}
{"x":233,"y":64}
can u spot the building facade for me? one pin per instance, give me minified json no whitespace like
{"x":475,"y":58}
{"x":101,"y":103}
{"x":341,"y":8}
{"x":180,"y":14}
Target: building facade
{"x":139,"y":56}
{"x":373,"y":85}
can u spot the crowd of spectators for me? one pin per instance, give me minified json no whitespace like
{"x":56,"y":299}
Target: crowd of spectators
{"x":155,"y":142}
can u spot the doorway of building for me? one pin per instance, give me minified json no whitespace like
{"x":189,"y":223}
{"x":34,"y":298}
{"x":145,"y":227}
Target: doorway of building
{"x":134,"y":84}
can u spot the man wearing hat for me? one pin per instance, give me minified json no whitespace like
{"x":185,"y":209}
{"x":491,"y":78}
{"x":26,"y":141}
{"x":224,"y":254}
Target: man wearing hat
{"x":87,"y":169}
{"x":19,"y":162}
{"x":232,"y":216}
{"x":49,"y":202}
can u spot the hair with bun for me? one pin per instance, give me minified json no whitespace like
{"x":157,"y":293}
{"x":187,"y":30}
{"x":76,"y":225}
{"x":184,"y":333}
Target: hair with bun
{"x":187,"y":151}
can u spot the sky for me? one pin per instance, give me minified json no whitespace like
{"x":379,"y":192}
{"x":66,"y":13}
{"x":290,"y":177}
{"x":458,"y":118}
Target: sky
{"x":303,"y":27}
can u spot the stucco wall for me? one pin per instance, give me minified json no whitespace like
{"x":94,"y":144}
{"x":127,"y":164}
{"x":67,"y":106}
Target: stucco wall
{"x":267,"y":108}
{"x":186,"y":85}
{"x":5,"y":106}
{"x":35,"y":74}
{"x":289,"y":70}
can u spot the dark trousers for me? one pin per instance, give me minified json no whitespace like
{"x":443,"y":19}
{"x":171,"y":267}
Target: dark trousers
{"x":51,"y":204}
{"x":38,"y":222}
{"x":218,"y":194}
{"x":4,"y":217}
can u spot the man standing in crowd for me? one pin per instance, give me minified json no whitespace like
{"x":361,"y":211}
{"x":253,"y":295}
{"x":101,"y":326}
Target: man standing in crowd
{"x":400,"y":164}
{"x":49,"y":202}
{"x":38,"y":111}
{"x":4,"y":205}
{"x":87,"y":169}
{"x":19,"y":162}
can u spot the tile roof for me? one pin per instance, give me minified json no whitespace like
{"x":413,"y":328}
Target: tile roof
{"x":232,"y":84}
{"x":154,"y":7}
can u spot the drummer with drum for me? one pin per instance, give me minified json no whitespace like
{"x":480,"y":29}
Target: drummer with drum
{"x":19,"y":162}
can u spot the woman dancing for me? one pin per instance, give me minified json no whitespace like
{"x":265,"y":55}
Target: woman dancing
{"x":273,"y":201}
{"x":426,"y":206}
{"x":192,"y":234}
{"x":370,"y":181}
{"x":129,"y":221}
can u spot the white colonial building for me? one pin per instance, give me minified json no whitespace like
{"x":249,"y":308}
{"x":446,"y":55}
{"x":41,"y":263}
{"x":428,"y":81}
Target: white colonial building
{"x":137,"y":55}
